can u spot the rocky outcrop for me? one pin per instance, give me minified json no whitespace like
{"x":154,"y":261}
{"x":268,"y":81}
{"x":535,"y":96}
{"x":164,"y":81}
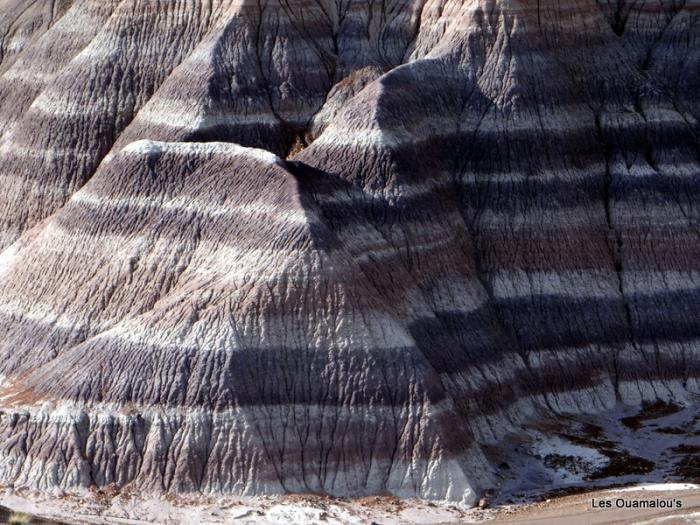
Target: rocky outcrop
{"x":267,"y":247}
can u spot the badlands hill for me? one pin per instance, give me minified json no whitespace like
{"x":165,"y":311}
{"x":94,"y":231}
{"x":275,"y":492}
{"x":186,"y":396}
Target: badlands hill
{"x":338,"y":246}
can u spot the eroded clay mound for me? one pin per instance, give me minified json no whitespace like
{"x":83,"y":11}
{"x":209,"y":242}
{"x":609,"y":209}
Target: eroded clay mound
{"x":341,"y":247}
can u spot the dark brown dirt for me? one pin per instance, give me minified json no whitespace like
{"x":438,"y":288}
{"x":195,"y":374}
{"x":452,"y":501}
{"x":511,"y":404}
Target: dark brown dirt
{"x":650,"y":411}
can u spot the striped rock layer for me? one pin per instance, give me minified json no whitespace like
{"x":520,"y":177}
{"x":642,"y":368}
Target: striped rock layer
{"x":257,"y":247}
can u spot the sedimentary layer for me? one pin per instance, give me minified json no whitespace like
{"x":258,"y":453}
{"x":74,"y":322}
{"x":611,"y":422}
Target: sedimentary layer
{"x":256,"y":248}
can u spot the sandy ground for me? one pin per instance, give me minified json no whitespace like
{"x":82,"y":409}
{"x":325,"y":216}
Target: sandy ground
{"x":97,"y":509}
{"x":578,"y":509}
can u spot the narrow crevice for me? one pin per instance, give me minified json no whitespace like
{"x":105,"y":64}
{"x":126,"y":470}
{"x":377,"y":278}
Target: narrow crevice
{"x":615,"y":242}
{"x":619,"y":18}
{"x":673,"y":12}
{"x":299,"y":144}
{"x":296,"y":136}
{"x":416,"y":32}
{"x":460,"y":164}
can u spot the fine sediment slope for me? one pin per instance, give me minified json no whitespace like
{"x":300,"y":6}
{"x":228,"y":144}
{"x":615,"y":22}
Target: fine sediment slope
{"x":220,"y":340}
{"x":22,"y":22}
{"x":339,"y":246}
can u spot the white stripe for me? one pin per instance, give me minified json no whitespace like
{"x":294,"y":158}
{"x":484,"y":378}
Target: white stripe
{"x":260,"y":209}
{"x":584,"y":284}
{"x":147,"y":147}
{"x":649,"y":282}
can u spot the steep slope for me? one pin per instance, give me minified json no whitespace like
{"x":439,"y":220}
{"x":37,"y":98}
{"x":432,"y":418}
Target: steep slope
{"x":22,"y":22}
{"x":464,"y":215}
{"x":38,"y":67}
{"x":250,"y":61}
{"x":218,"y":324}
{"x":662,"y":38}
